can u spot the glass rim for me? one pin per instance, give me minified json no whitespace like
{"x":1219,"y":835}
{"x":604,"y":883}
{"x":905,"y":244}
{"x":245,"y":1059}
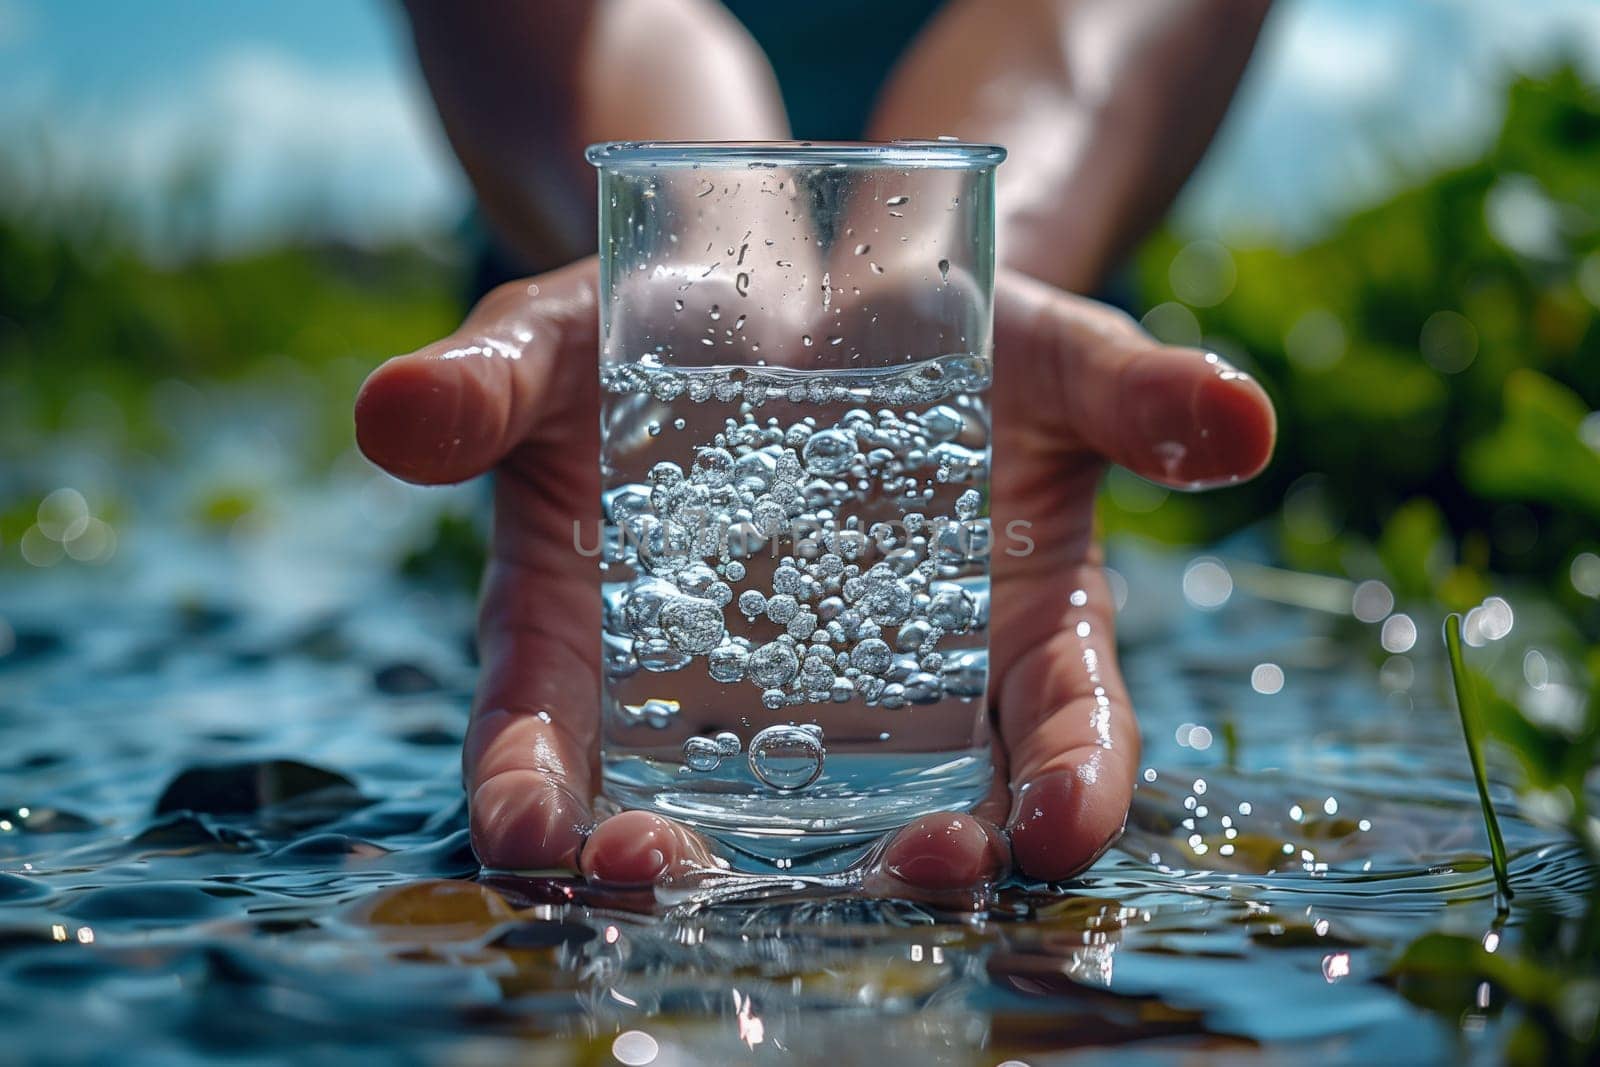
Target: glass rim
{"x":939,"y":154}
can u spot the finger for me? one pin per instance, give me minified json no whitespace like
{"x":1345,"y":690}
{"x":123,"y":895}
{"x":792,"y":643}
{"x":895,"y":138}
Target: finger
{"x":642,"y":848}
{"x":942,"y":852}
{"x":451,"y":410}
{"x":530,"y":751}
{"x":528,"y":786}
{"x":1179,"y":416}
{"x":1069,"y":730}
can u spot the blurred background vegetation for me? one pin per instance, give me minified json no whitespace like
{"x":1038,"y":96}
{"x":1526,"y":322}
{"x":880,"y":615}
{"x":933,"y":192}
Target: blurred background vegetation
{"x":1435,"y":359}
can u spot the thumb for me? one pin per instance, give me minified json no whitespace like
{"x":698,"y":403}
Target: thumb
{"x":510,"y":373}
{"x":1179,"y":416}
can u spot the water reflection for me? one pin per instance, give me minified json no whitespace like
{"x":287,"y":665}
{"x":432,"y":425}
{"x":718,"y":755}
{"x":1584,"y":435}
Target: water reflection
{"x":232,"y":823}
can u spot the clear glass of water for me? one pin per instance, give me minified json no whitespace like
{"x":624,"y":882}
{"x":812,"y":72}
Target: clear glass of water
{"x":794,"y":541}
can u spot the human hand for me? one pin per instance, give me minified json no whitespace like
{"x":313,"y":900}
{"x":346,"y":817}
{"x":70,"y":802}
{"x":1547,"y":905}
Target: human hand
{"x":515,"y":390}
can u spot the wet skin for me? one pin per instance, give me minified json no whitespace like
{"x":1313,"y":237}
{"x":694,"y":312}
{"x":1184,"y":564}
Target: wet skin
{"x":1077,"y":385}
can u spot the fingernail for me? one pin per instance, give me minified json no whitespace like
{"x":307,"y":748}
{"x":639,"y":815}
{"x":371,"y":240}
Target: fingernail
{"x":1043,"y":836}
{"x":525,"y":821}
{"x":1233,"y":424}
{"x":949,"y":852}
{"x":637,"y":865}
{"x":631,"y":851}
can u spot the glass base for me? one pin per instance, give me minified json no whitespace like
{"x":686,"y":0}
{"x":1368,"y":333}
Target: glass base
{"x":818,"y":830}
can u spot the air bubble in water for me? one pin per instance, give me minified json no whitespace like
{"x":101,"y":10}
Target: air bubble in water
{"x":692,"y":625}
{"x":713,"y":467}
{"x":728,"y":662}
{"x":871,"y":656}
{"x":728,"y":743}
{"x":830,"y":451}
{"x":773,"y":665}
{"x":787,"y":757}
{"x":701,"y":754}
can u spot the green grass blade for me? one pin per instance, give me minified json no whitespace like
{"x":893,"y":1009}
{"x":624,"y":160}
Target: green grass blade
{"x":1468,"y":710}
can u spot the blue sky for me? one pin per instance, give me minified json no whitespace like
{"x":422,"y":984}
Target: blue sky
{"x":314,"y":105}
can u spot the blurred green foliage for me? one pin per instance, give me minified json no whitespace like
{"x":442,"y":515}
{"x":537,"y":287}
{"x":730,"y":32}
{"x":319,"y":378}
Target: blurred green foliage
{"x":1435,"y":361}
{"x":1432,"y":358}
{"x":88,"y":306}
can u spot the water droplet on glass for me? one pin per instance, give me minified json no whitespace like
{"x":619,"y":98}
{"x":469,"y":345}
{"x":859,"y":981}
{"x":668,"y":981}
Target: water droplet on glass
{"x":944,"y":270}
{"x":741,"y":285}
{"x":787,"y":757}
{"x":896,"y":201}
{"x":862,"y":250}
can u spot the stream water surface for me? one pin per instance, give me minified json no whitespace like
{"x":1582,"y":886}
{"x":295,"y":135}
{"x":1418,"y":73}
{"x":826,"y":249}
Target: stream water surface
{"x":231,"y":825}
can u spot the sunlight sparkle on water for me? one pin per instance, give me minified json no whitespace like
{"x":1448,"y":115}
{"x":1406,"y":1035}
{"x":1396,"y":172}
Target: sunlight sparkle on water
{"x":1585,"y":574}
{"x":1399,"y":633}
{"x":635,"y":1048}
{"x":1207,"y":583}
{"x":1371,"y":601}
{"x":1267,"y":678}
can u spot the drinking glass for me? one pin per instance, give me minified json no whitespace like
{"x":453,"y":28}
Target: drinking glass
{"x":795,"y":357}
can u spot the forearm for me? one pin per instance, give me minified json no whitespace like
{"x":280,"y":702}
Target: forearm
{"x":522,"y":87}
{"x":1105,"y":106}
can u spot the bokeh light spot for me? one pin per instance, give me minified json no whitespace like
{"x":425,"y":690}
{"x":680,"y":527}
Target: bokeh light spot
{"x":1207,"y":584}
